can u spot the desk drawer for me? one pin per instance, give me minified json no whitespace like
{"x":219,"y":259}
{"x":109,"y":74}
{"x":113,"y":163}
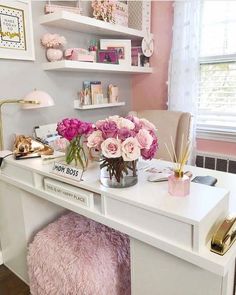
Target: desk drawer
{"x":158,"y":225}
{"x":70,"y":193}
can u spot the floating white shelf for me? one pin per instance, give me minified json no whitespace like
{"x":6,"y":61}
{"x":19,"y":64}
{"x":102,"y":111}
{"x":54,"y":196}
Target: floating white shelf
{"x":88,"y":25}
{"x":97,"y":106}
{"x":68,"y":65}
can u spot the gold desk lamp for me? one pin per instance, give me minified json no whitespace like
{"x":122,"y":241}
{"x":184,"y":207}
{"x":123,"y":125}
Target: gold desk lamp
{"x":33,"y":100}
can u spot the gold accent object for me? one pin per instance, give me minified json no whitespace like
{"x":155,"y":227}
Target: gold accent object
{"x":8,"y":101}
{"x":225,"y":236}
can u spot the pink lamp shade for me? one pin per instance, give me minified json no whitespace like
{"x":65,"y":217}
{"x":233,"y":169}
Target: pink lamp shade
{"x":43,"y":99}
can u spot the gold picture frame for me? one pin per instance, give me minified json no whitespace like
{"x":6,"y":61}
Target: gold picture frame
{"x":16,"y":30}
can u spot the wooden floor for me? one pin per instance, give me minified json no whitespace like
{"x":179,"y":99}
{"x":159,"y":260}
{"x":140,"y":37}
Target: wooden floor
{"x":10,"y":284}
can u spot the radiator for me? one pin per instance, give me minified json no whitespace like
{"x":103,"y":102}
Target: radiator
{"x":219,"y":162}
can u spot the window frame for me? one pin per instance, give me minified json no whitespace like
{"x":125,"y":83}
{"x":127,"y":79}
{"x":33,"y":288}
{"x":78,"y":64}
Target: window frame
{"x":210,"y":131}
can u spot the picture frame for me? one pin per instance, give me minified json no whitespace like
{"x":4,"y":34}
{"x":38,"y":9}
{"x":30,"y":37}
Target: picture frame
{"x":121,"y":45}
{"x":144,"y":61}
{"x":108,"y":56}
{"x":16,"y":30}
{"x":136,"y":52}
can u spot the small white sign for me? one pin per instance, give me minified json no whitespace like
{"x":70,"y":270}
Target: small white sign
{"x":68,"y":192}
{"x":67,"y":171}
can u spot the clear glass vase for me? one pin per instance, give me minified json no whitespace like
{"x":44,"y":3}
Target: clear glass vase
{"x":76,"y":155}
{"x":117,"y":173}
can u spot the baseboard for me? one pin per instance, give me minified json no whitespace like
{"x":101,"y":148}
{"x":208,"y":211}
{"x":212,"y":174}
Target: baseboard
{"x":1,"y":260}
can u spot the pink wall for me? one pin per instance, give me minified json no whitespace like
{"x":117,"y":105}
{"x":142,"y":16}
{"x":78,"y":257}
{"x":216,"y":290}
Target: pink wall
{"x":214,"y":146}
{"x":149,"y":91}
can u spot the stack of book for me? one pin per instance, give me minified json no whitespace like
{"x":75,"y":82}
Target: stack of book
{"x":92,"y":93}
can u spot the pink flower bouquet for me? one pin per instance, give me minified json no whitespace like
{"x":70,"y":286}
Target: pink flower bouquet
{"x":53,"y":40}
{"x":103,"y":10}
{"x":121,"y":142}
{"x":75,"y":131}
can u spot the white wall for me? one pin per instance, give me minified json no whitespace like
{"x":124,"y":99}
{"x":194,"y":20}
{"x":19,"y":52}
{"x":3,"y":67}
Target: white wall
{"x":17,"y":78}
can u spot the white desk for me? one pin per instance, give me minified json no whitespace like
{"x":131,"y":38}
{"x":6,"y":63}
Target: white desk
{"x":169,"y":235}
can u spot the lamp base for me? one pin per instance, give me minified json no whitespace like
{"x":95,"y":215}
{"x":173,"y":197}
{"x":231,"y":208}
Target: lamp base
{"x":4,"y":154}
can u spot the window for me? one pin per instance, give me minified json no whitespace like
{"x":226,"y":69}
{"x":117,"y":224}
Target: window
{"x":217,"y":93}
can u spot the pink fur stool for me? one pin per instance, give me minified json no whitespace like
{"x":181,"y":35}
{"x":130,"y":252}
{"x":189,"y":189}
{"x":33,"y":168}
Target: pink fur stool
{"x":77,"y":256}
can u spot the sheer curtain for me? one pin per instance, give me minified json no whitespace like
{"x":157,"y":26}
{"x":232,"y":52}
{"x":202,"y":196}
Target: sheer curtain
{"x":184,"y":61}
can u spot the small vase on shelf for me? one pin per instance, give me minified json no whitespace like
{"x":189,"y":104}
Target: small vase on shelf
{"x":54,"y":54}
{"x":54,"y":45}
{"x":178,"y":184}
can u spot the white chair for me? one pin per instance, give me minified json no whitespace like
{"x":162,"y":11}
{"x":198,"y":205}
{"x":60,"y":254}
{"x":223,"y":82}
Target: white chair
{"x":169,"y":124}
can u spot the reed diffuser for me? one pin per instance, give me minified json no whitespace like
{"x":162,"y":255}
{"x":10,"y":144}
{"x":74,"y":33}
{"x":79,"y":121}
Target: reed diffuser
{"x":178,"y":182}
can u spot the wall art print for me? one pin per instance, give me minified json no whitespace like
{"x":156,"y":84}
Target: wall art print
{"x":16,"y":32}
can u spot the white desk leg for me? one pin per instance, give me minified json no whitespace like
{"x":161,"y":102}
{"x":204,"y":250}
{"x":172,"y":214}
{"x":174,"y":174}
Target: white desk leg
{"x":155,"y":272}
{"x":22,"y":215}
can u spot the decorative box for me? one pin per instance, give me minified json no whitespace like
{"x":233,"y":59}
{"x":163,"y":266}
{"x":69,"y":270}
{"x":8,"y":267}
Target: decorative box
{"x":79,"y":54}
{"x":50,"y":8}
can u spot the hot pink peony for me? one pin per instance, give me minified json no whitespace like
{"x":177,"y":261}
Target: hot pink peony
{"x":71,"y":128}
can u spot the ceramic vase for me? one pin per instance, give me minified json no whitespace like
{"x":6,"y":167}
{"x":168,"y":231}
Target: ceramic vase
{"x":54,"y":54}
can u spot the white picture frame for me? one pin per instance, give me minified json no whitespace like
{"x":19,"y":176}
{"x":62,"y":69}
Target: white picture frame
{"x":124,"y":46}
{"x":16,"y":30}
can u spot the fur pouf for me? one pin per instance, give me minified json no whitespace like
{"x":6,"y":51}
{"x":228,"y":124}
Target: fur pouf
{"x":77,"y":256}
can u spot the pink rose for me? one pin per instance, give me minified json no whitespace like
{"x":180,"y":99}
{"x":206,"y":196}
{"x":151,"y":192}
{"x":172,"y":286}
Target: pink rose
{"x":125,"y":123}
{"x":95,"y":139}
{"x":111,"y":148}
{"x":147,"y":125}
{"x":130,"y":149}
{"x":144,"y":139}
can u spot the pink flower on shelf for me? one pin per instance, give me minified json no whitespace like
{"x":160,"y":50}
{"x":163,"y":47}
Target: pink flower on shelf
{"x":130,"y":149}
{"x":53,"y":40}
{"x":111,"y":148}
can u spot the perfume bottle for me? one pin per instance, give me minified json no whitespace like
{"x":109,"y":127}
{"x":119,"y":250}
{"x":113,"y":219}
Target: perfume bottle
{"x":178,"y":184}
